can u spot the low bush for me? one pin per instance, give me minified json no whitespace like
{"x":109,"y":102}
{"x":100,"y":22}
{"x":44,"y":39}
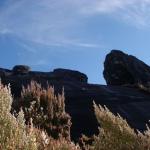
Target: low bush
{"x":16,"y":135}
{"x":46,"y":110}
{"x":13,"y":131}
{"x":116,"y":134}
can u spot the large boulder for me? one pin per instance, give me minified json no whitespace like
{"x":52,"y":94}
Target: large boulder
{"x":70,"y":75}
{"x":124,"y":69}
{"x":21,"y":69}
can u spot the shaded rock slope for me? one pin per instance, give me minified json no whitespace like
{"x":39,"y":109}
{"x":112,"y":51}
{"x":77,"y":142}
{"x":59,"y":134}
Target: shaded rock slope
{"x":120,"y":69}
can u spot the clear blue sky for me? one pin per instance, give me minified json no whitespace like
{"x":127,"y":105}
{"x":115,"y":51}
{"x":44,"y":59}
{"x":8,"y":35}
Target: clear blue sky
{"x":72,"y":34}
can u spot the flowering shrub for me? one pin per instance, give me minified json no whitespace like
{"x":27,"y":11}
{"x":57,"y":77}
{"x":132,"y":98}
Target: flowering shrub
{"x":46,"y":109}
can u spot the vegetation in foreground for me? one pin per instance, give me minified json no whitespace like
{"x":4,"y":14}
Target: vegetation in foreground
{"x":43,"y":124}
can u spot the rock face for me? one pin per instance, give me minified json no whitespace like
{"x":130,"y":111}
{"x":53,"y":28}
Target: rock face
{"x":71,"y":75}
{"x":122,"y":69}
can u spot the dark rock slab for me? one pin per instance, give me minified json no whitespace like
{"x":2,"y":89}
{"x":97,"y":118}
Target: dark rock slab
{"x":122,"y":69}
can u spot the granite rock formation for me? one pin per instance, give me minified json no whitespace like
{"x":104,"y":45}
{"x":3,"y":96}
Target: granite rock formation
{"x":130,"y":102}
{"x":124,"y":69}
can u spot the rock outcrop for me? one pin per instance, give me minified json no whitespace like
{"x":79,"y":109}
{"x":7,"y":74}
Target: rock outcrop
{"x":71,"y":75}
{"x":122,"y":69}
{"x":130,"y":102}
{"x":21,"y":70}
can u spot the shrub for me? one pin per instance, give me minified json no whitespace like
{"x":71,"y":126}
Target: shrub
{"x":13,"y":133}
{"x":46,"y":109}
{"x":44,"y":142}
{"x":116,"y":134}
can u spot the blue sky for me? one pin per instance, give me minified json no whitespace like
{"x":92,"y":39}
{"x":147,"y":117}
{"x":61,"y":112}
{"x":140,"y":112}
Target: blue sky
{"x":72,"y":34}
